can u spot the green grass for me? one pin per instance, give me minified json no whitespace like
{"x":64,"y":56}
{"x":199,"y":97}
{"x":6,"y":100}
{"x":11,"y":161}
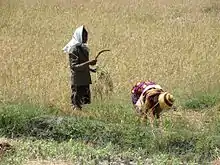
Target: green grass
{"x":71,"y":151}
{"x":41,"y":133}
{"x":202,"y":100}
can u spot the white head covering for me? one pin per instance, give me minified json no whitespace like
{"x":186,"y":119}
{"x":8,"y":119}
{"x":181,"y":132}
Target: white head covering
{"x":75,"y":41}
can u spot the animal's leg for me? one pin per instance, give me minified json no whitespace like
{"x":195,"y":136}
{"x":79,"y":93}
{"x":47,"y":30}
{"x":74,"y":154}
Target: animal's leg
{"x":151,"y":117}
{"x":143,"y":116}
{"x":143,"y":119}
{"x":161,"y":125}
{"x":160,"y":122}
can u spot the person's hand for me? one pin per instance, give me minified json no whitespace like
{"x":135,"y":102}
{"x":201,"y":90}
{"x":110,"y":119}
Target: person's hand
{"x":93,"y":70}
{"x":92,"y":62}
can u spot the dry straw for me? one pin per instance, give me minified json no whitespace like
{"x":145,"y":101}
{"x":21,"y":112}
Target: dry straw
{"x":174,"y":43}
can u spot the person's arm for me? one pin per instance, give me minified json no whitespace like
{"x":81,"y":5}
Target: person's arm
{"x":92,"y":70}
{"x":74,"y":62}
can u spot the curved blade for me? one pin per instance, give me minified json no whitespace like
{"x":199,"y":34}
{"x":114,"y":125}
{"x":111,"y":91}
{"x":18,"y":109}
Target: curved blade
{"x":105,"y":50}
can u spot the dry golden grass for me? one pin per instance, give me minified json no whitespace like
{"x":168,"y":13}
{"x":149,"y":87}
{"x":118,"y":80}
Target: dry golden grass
{"x":175,"y":43}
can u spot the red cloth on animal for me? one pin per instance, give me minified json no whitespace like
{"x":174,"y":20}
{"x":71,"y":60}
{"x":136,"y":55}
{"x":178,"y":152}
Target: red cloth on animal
{"x":140,"y":86}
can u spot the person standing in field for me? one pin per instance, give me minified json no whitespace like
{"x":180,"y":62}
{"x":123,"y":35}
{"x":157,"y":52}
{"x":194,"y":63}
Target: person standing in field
{"x":78,"y":52}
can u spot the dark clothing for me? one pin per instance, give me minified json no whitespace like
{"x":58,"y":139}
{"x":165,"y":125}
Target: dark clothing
{"x":80,"y":76}
{"x":80,"y":73}
{"x":80,"y":95}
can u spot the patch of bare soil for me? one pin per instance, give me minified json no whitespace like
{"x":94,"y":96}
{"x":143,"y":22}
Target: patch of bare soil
{"x":4,"y":147}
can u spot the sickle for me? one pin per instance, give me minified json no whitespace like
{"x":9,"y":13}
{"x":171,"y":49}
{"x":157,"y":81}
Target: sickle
{"x":105,"y":50}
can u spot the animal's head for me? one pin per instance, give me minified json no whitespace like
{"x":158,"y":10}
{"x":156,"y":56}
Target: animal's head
{"x":166,"y":100}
